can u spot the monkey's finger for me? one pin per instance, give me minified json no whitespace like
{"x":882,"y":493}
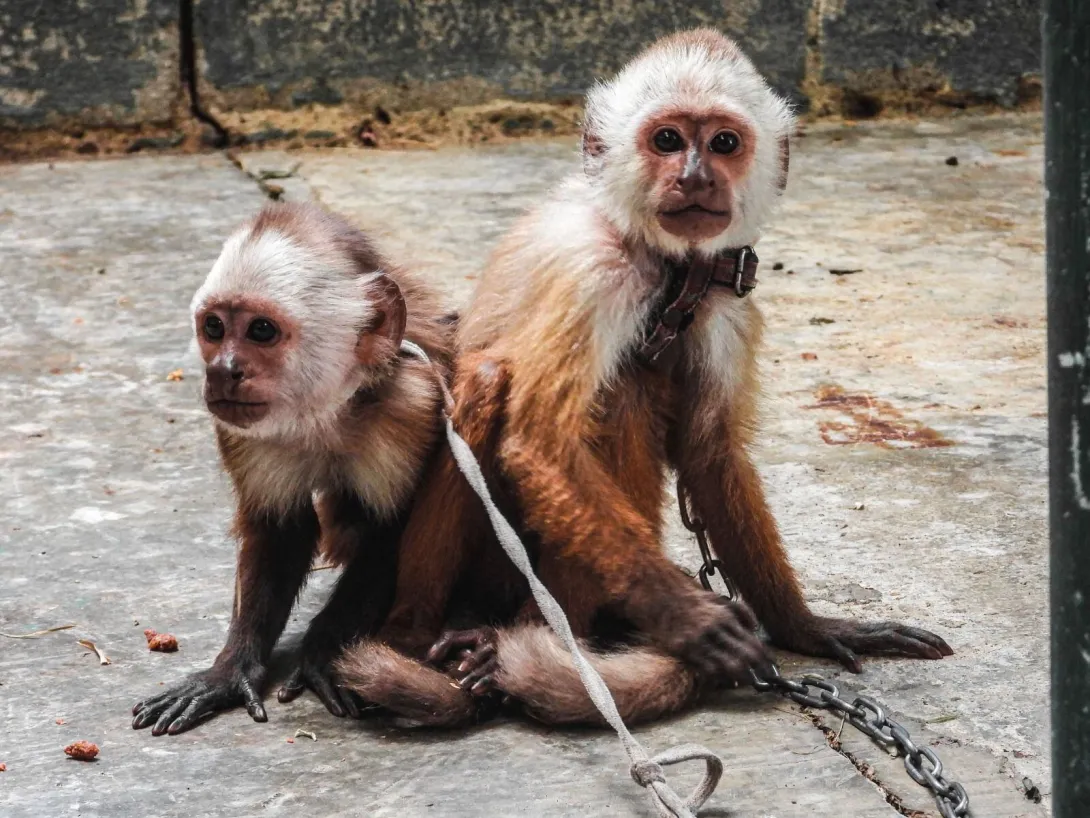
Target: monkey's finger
{"x":484,"y":655}
{"x":744,"y":637}
{"x":157,"y":703}
{"x":843,"y":654}
{"x":253,"y":701}
{"x":895,"y":642}
{"x":742,"y":612}
{"x":150,"y":713}
{"x":928,"y":638}
{"x":449,"y":641}
{"x":348,"y":699}
{"x":326,"y":693}
{"x":169,"y":715}
{"x":483,"y":671}
{"x":482,"y":687}
{"x":200,"y":707}
{"x":291,"y":688}
{"x":722,"y":655}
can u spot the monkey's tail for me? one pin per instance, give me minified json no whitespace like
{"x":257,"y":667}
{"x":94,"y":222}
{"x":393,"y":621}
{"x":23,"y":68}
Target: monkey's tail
{"x":536,"y":669}
{"x":419,"y":693}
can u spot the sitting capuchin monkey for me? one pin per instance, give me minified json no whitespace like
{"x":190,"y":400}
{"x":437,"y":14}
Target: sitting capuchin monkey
{"x":318,"y":417}
{"x":609,"y":342}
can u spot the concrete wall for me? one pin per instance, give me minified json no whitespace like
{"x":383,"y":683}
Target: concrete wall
{"x":97,"y":62}
{"x":118,"y":62}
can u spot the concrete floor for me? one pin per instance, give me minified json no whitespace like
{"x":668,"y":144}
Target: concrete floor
{"x":904,"y":452}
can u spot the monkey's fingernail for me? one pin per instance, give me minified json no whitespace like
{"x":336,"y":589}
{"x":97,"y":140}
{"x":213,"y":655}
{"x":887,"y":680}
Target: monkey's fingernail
{"x":462,"y":668}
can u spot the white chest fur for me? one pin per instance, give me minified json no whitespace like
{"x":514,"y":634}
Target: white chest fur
{"x":285,"y":477}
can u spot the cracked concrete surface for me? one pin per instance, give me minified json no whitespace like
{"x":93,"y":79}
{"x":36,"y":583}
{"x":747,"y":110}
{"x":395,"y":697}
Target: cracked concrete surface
{"x":903,"y":449}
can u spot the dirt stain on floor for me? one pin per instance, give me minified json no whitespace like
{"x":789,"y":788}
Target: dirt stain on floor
{"x":871,"y":420}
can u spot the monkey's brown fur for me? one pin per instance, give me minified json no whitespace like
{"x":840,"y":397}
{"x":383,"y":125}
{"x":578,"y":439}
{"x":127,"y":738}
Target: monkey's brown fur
{"x":325,"y":408}
{"x":576,"y":434}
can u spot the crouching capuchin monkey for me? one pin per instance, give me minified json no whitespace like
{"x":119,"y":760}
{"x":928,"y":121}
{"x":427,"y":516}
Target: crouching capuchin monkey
{"x":299,"y":324}
{"x":609,"y":341}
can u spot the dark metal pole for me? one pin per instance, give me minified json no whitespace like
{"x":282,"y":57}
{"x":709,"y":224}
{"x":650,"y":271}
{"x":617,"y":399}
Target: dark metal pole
{"x":1067,"y":177}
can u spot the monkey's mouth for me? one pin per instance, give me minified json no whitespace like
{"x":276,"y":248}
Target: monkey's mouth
{"x":694,"y":222}
{"x":238,"y":413}
{"x":694,"y":209}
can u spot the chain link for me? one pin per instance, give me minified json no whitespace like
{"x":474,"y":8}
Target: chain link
{"x":863,"y":713}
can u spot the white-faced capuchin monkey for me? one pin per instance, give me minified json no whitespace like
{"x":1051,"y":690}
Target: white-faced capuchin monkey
{"x":609,"y":341}
{"x":299,"y":324}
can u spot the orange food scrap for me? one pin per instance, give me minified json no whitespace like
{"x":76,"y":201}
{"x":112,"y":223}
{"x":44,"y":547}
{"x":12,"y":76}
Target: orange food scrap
{"x":81,"y":751}
{"x":162,"y":642}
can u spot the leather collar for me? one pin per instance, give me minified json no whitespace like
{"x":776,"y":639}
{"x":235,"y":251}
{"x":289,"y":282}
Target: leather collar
{"x":687,"y":282}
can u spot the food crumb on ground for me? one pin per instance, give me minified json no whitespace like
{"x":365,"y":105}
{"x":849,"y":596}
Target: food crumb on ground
{"x":81,"y":751}
{"x":161,"y":642}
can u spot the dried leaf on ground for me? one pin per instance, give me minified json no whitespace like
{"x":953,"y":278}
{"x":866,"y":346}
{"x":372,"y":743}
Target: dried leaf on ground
{"x":36,"y":634}
{"x":103,"y":659}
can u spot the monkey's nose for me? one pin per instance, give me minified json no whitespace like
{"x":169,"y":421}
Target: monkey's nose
{"x":224,"y":376}
{"x":698,"y":182}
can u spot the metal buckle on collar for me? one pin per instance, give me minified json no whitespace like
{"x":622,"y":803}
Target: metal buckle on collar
{"x":742,"y":290}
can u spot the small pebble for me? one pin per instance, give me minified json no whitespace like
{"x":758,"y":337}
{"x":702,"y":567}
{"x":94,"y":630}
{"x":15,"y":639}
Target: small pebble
{"x":952,"y":161}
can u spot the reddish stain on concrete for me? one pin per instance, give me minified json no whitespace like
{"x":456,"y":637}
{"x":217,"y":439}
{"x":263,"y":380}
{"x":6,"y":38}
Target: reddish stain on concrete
{"x":871,"y":420}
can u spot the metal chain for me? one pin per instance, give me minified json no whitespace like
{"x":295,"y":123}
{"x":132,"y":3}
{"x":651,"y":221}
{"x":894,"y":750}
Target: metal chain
{"x":863,"y":713}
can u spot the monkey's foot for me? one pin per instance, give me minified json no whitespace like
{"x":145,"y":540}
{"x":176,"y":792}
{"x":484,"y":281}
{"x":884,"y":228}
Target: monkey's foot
{"x":476,"y":650}
{"x":842,"y":639}
{"x":198,"y":697}
{"x":315,"y":671}
{"x":720,"y":641}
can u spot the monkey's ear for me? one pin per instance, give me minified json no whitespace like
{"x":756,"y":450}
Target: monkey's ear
{"x":785,"y":161}
{"x":381,"y":338}
{"x":592,"y":149}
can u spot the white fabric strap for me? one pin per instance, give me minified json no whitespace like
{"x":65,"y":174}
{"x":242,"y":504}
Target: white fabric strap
{"x":646,"y":771}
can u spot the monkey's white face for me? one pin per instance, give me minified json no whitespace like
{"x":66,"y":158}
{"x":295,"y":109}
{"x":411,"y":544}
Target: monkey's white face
{"x":277,"y":328}
{"x":687,"y":147}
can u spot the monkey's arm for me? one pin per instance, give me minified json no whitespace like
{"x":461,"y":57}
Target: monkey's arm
{"x":447,"y":519}
{"x":358,"y":604}
{"x":597,"y":548}
{"x":726,"y":491}
{"x":274,"y":558}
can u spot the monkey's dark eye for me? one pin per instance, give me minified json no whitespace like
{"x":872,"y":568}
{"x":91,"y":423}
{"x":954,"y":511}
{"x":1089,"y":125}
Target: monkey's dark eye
{"x":261,"y":330}
{"x":213,"y":327}
{"x":725,"y":143}
{"x":668,"y":140}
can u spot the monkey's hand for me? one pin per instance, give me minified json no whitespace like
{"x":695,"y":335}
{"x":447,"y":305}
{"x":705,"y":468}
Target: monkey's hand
{"x":714,"y":636}
{"x":469,"y":656}
{"x":315,"y":671}
{"x":842,"y":639}
{"x":199,"y":696}
{"x":721,"y":641}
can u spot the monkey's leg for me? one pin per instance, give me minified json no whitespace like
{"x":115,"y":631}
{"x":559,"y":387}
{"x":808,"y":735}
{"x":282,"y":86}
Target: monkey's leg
{"x":447,"y":517}
{"x":273,"y":562}
{"x":727,"y":492}
{"x":587,"y":524}
{"x":357,"y":605}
